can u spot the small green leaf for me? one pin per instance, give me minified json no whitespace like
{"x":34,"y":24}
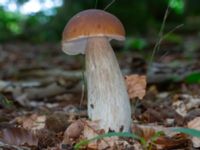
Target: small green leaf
{"x":157,"y":135}
{"x":193,"y":77}
{"x":177,"y":6}
{"x":135,"y":43}
{"x":5,"y":102}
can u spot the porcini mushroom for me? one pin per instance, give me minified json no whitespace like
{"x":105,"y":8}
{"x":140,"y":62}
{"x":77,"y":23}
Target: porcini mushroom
{"x":89,"y":32}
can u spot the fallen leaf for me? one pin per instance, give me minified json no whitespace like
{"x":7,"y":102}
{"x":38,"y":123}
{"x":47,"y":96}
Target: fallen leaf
{"x":174,"y":142}
{"x":136,"y":86}
{"x":73,"y":132}
{"x":19,"y":136}
{"x":33,"y":122}
{"x":75,"y":129}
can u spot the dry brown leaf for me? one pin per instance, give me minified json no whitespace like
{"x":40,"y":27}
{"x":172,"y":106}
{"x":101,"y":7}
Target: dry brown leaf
{"x":137,"y":128}
{"x":33,"y":122}
{"x":19,"y":136}
{"x":73,"y":132}
{"x":136,"y":86}
{"x":174,"y":142}
{"x":195,"y":124}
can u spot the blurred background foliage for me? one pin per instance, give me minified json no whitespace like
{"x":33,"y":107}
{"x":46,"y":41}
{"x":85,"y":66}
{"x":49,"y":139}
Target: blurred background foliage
{"x":140,"y":17}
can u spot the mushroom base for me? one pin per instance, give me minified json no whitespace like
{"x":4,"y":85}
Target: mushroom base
{"x":108,"y":100}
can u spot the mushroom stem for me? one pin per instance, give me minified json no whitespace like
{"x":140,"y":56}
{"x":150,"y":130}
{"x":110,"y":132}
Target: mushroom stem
{"x":108,"y":100}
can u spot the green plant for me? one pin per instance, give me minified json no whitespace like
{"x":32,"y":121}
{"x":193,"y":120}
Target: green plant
{"x":177,"y":5}
{"x":5,"y":102}
{"x":135,"y":43}
{"x":193,"y":77}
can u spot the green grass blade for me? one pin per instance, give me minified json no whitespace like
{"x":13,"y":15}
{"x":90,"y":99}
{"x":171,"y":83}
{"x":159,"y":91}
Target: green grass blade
{"x":157,"y":135}
{"x":120,"y":134}
{"x":189,"y":131}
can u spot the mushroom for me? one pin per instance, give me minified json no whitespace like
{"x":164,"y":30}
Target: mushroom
{"x":89,"y":32}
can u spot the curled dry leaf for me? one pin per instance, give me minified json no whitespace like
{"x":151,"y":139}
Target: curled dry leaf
{"x":174,"y":142}
{"x":19,"y":136}
{"x":195,"y":124}
{"x":136,"y":86}
{"x":73,"y":131}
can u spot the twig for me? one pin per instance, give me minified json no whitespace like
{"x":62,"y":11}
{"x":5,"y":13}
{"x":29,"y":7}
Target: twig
{"x":171,"y":31}
{"x":109,"y":4}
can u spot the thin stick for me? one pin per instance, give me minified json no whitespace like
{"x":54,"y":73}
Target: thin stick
{"x":109,"y":4}
{"x":171,"y":31}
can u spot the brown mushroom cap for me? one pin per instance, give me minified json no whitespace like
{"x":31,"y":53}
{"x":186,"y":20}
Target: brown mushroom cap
{"x":87,"y":24}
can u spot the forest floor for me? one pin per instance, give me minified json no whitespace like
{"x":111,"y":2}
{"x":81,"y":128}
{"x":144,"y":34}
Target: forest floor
{"x":43,"y":100}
